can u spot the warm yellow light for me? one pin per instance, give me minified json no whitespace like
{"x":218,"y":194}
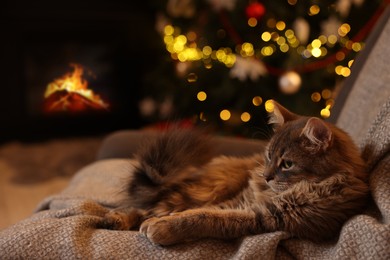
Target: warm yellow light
{"x":181,"y":39}
{"x":252,"y":22}
{"x":316,"y":97}
{"x":324,"y":51}
{"x":332,"y":39}
{"x":220,"y":55}
{"x":266,"y":36}
{"x":225,"y":115}
{"x":344,"y":29}
{"x":256,"y":101}
{"x":325,"y":113}
{"x":338,"y":69}
{"x":247,"y":48}
{"x":201,"y":96}
{"x":281,"y":40}
{"x":323,"y":39}
{"x":284,"y":48}
{"x":267,"y":51}
{"x":178,"y":47}
{"x":169,"y":30}
{"x":280,"y":25}
{"x":245,"y":117}
{"x":350,"y":63}
{"x":316,"y":52}
{"x":294,"y":42}
{"x":269,"y":106}
{"x":289,"y":34}
{"x":316,"y":43}
{"x":314,"y":9}
{"x":208,"y":65}
{"x":326,"y":93}
{"x":207,"y":50}
{"x":168,"y":39}
{"x":356,"y":46}
{"x":345,"y":72}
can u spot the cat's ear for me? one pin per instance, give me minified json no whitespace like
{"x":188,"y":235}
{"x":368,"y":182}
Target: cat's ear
{"x":280,"y":115}
{"x":318,"y":133}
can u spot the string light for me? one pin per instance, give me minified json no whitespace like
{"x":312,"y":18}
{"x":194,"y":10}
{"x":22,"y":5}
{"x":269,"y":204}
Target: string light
{"x":201,"y":96}
{"x":278,"y":38}
{"x":252,"y":22}
{"x":225,"y":115}
{"x":245,"y":117}
{"x":316,"y":97}
{"x":269,"y":106}
{"x":325,"y":113}
{"x":257,"y":101}
{"x":314,"y":10}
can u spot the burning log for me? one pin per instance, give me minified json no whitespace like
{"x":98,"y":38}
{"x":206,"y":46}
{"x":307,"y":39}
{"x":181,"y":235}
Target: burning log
{"x":70,"y":93}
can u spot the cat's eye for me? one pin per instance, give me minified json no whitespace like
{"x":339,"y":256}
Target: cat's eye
{"x":287,"y":164}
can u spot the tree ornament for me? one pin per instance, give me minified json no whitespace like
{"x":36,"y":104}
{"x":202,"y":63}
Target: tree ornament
{"x":255,"y":10}
{"x":301,"y":29}
{"x":290,"y":82}
{"x":247,"y":68}
{"x":330,"y":26}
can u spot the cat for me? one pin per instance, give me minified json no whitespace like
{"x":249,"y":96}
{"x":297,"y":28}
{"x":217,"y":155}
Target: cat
{"x":309,"y":181}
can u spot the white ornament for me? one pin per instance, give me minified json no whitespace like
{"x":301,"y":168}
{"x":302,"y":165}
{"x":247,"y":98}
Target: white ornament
{"x":290,"y":82}
{"x":245,"y":68}
{"x":330,"y":26}
{"x":181,"y":8}
{"x":343,"y":7}
{"x":219,"y":5}
{"x":301,"y":29}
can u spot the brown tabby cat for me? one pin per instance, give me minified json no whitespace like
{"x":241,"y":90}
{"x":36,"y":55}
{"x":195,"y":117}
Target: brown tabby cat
{"x":311,"y":181}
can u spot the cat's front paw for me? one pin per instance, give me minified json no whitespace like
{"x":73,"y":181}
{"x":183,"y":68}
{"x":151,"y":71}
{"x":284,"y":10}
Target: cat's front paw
{"x":116,"y":221}
{"x":161,"y":231}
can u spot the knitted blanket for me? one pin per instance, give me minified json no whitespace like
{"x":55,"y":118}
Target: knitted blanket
{"x":67,"y":225}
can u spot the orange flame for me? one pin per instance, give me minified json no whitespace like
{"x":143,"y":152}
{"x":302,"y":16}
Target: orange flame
{"x":72,"y":83}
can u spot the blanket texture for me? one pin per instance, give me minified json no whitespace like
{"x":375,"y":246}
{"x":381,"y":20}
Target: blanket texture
{"x":67,"y":225}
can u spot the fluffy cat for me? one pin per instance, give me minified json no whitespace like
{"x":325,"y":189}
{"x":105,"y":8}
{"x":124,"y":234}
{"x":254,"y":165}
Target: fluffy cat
{"x":310,"y":181}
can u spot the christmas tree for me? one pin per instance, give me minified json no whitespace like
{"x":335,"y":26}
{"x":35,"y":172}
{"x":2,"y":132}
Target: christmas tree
{"x":225,"y":58}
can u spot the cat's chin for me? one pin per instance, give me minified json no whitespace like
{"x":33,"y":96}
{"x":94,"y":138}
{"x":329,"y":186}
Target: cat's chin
{"x":277,"y":186}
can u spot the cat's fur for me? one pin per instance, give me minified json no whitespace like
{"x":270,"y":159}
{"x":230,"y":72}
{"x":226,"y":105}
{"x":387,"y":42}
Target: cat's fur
{"x":311,"y":181}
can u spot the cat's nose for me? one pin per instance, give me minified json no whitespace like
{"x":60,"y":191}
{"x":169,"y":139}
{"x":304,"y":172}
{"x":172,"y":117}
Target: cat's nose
{"x":268,"y":176}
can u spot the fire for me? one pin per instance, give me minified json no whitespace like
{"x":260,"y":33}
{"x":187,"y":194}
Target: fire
{"x":71,"y":93}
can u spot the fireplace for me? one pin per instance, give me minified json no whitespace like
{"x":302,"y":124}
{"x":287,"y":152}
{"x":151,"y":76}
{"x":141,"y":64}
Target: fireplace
{"x":107,"y":43}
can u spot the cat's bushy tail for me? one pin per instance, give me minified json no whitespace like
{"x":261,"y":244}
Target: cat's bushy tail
{"x":161,"y":160}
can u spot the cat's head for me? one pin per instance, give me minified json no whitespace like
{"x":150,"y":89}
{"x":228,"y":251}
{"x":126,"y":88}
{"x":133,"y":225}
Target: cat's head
{"x":307,"y":148}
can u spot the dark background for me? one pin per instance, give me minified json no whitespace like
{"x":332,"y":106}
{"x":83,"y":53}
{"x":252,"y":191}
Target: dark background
{"x":116,"y":40}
